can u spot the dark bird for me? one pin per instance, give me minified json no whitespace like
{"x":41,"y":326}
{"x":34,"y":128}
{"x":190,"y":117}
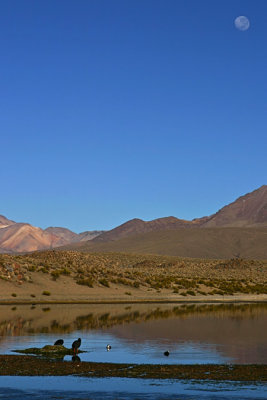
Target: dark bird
{"x":75,"y":345}
{"x":59,"y":342}
{"x":108,"y":347}
{"x":166,"y":353}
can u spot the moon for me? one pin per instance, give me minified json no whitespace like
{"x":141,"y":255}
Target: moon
{"x":242,"y":23}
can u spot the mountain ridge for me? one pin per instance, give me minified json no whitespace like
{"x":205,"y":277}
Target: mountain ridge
{"x":19,"y":237}
{"x":247,"y":211}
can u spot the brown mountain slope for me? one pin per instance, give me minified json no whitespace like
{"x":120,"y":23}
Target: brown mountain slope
{"x":65,"y":234}
{"x":246,"y":211}
{"x":24,"y":237}
{"x":21,"y":237}
{"x":89,"y":235}
{"x":249,"y":210}
{"x":68,"y":236}
{"x":194,"y":242}
{"x":138,"y":226}
{"x":5,"y":222}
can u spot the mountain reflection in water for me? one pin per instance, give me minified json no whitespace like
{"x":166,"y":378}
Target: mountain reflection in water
{"x":238,"y":331}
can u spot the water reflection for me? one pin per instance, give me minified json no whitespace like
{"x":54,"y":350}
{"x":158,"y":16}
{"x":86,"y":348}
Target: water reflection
{"x":143,"y":332}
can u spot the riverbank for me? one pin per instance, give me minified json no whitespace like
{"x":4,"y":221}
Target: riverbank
{"x":32,"y":366}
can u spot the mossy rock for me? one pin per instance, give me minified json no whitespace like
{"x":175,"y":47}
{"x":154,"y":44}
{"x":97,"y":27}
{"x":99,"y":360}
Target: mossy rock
{"x":48,"y":350}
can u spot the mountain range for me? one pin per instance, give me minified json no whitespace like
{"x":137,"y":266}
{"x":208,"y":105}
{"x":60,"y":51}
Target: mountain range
{"x":238,"y":228}
{"x":22,"y":237}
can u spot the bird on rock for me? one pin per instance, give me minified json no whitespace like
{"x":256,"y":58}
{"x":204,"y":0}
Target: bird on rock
{"x":59,"y":342}
{"x":75,"y":345}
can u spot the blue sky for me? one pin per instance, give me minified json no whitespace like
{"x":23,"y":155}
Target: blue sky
{"x":117,"y":109}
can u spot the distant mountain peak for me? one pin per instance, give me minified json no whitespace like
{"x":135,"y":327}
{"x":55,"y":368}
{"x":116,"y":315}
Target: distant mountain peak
{"x":246,"y":211}
{"x":5,"y":222}
{"x":23,"y":237}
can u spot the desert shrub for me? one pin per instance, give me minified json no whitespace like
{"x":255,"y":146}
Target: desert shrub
{"x":123,"y":281}
{"x":65,"y":271}
{"x":14,"y":294}
{"x":86,"y":282}
{"x":191,"y":292}
{"x":216,"y":291}
{"x":210,"y":283}
{"x":46,"y":293}
{"x":186,"y":283}
{"x":33,"y":295}
{"x":55,"y":274}
{"x":104,"y":282}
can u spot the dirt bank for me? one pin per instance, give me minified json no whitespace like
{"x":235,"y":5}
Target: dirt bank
{"x":32,"y":366}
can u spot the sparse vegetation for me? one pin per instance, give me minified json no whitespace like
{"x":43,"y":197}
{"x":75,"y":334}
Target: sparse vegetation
{"x":182,"y":276}
{"x":46,"y":293}
{"x":104,"y":282}
{"x":55,"y":274}
{"x":86,"y":282}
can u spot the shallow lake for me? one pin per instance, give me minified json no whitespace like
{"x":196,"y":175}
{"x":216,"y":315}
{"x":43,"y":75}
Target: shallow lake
{"x":73,"y":388}
{"x":141,"y":333}
{"x":138,"y":333}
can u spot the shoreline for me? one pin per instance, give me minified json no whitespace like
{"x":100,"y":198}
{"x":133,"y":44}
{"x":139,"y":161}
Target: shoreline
{"x":151,"y":300}
{"x":14,"y":365}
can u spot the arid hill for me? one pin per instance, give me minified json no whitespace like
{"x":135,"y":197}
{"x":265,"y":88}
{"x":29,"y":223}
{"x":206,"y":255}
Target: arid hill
{"x":4,"y":222}
{"x":239,"y":229}
{"x":247,"y":211}
{"x":180,"y":237}
{"x":198,"y":243}
{"x":71,"y":276}
{"x":138,"y":226}
{"x":22,"y":237}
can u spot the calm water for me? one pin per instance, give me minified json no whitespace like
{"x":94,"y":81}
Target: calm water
{"x":141,"y":333}
{"x":70,"y":388}
{"x":137,"y":334}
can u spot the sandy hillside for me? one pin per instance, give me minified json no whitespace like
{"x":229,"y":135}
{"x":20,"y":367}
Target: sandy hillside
{"x":71,"y":276}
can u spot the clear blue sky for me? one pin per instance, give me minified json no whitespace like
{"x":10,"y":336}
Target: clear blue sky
{"x":116,"y":109}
